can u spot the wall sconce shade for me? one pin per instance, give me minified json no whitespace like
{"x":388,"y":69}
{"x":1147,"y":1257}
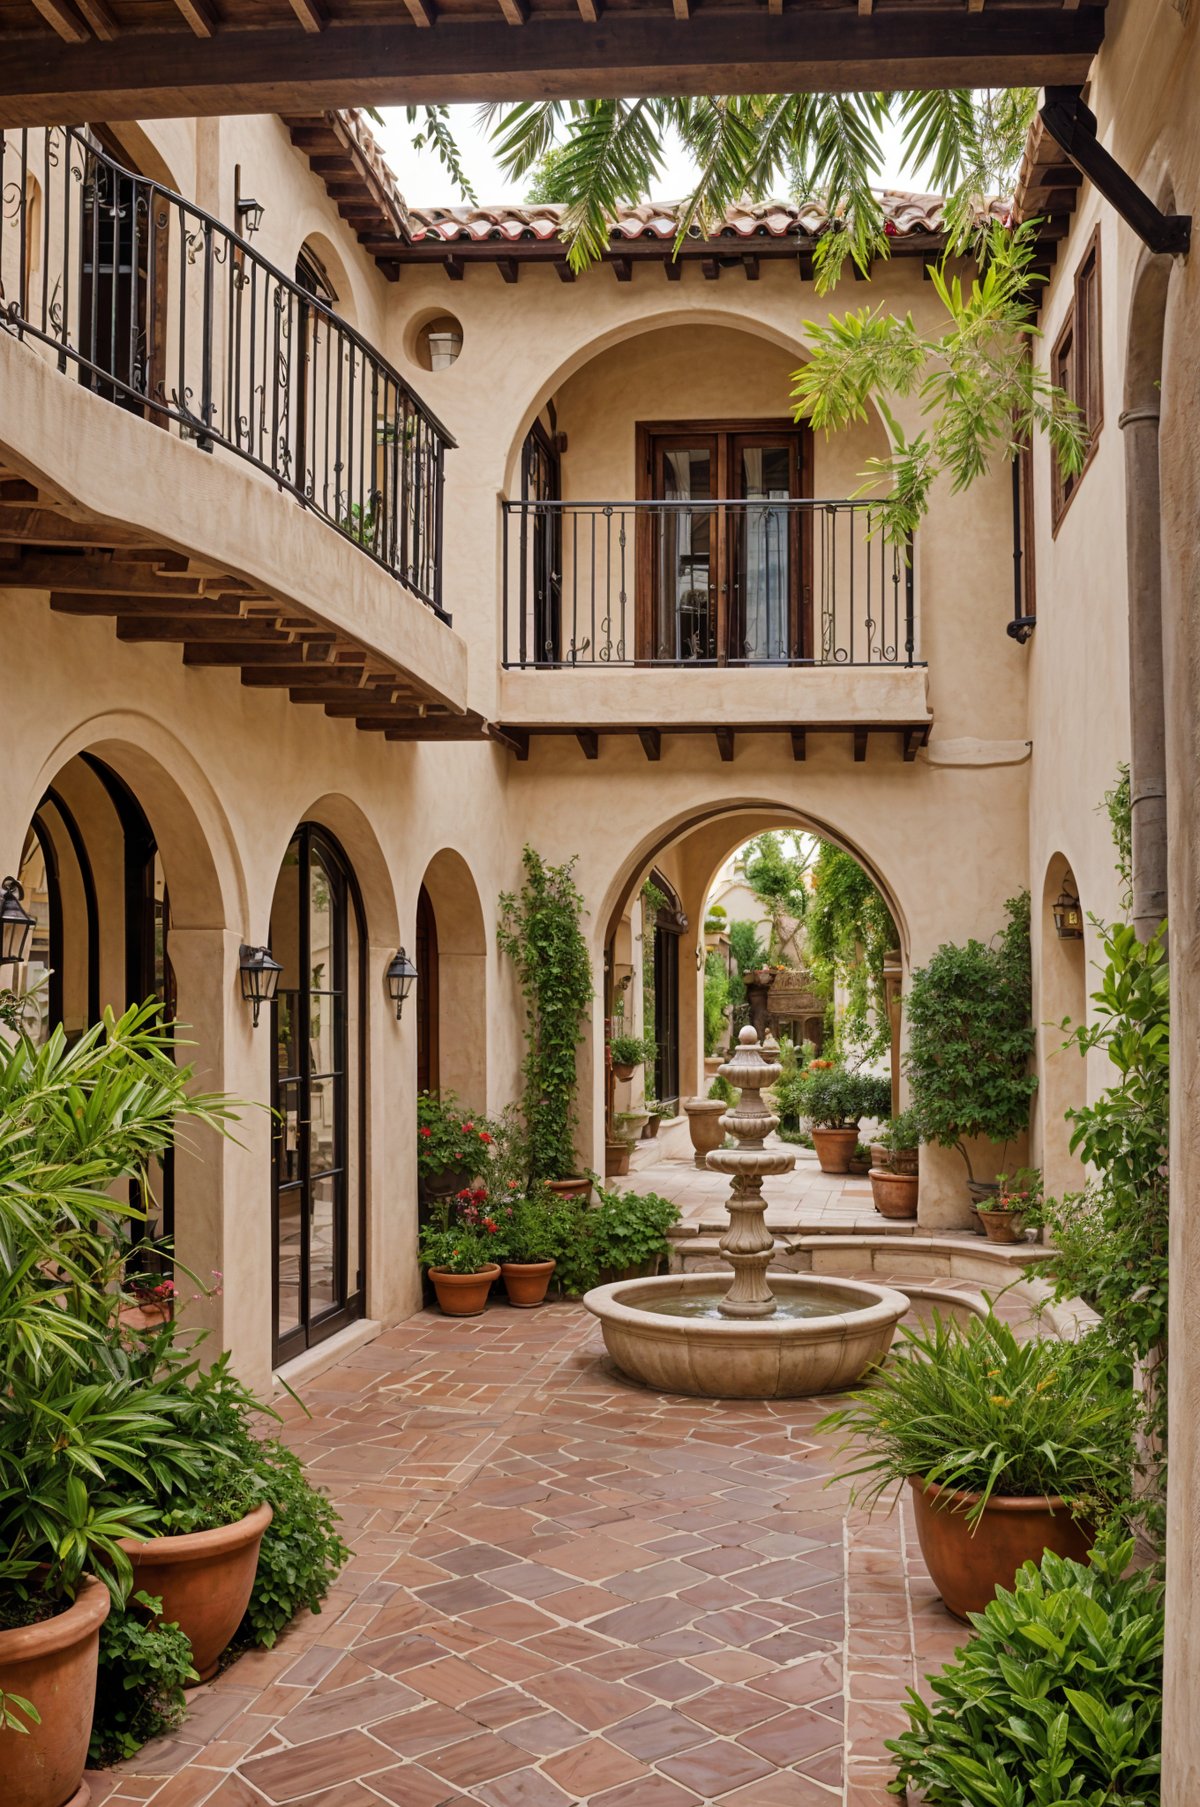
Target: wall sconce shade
{"x":260,"y":977}
{"x":401,"y":976}
{"x":1068,"y":917}
{"x":250,"y":215}
{"x":16,"y":924}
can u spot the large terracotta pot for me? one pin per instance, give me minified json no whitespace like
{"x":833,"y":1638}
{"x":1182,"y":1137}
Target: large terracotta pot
{"x":52,"y":1665}
{"x":1002,"y":1226}
{"x":704,"y":1122}
{"x":905,"y":1160}
{"x":895,"y":1194}
{"x":967,"y":1567}
{"x":577,"y":1185}
{"x":616,"y":1158}
{"x":525,"y":1282}
{"x":464,"y":1295}
{"x":204,"y":1579}
{"x":835,"y":1148}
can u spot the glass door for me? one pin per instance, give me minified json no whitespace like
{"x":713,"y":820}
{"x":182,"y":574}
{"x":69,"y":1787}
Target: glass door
{"x":316,"y":1016}
{"x":685,"y":538}
{"x":765,"y":549}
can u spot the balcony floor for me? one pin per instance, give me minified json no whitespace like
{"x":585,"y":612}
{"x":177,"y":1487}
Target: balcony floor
{"x":565,"y":1589}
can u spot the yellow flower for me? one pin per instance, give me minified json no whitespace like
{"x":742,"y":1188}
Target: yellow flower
{"x":1047,"y":1382}
{"x":999,"y":1399}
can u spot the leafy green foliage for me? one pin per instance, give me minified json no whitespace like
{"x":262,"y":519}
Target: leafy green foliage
{"x":848,"y":934}
{"x":832,"y":1096}
{"x":631,"y":1050}
{"x":450,"y":1138}
{"x":540,"y":931}
{"x":302,"y":1551}
{"x":716,"y":998}
{"x":746,"y":946}
{"x":902,"y":1132}
{"x":982,"y":394}
{"x":978,"y":1411}
{"x":971,"y":1037}
{"x":144,"y":1665}
{"x":722,"y":1091}
{"x":595,"y":1243}
{"x":1056,"y":1699}
{"x":777,"y":876}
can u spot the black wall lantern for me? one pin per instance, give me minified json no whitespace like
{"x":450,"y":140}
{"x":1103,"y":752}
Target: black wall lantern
{"x":16,"y":924}
{"x":260,"y":976}
{"x":248,"y":211}
{"x":401,"y":976}
{"x":1068,"y":917}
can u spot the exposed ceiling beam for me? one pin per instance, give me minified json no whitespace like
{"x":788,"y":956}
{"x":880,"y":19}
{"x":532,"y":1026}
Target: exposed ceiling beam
{"x":589,"y":740}
{"x":515,"y":11}
{"x":280,"y":70}
{"x":799,"y":744}
{"x":100,"y":17}
{"x":725,"y":743}
{"x":651,"y":740}
{"x":860,"y":745}
{"x":423,"y":13}
{"x":590,"y":10}
{"x":311,"y":14}
{"x":62,"y":18}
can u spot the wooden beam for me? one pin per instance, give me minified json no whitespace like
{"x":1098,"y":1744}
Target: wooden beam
{"x":45,"y":527}
{"x":453,"y":267}
{"x":623,"y":269}
{"x":276,"y":69}
{"x":672,"y":269}
{"x":62,"y":18}
{"x":200,"y":16}
{"x":62,"y":571}
{"x":681,"y":8}
{"x":100,"y":17}
{"x":564,"y":271}
{"x":209,"y":608}
{"x":651,"y":739}
{"x":711,"y":268}
{"x":590,"y":10}
{"x":860,"y":745}
{"x":775,"y":8}
{"x":912,"y":739}
{"x":17,"y":489}
{"x":515,"y":11}
{"x":423,"y":13}
{"x":865,"y":8}
{"x":515,"y":739}
{"x":509,"y":268}
{"x":799,"y":745}
{"x":750,"y":265}
{"x":589,"y":740}
{"x":311,"y":14}
{"x":724,"y":743}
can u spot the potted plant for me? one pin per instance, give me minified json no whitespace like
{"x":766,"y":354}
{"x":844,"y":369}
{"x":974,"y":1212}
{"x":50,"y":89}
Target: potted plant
{"x":860,"y":1160}
{"x":628,"y":1052}
{"x":1004,"y":1217}
{"x":628,"y":1233}
{"x":540,"y":931}
{"x":630,"y":1124}
{"x":459,"y":1249}
{"x":151,"y":1300}
{"x":452,"y":1145}
{"x":1009,"y":1448}
{"x":530,"y":1233}
{"x":835,"y":1099}
{"x":618,"y":1151}
{"x":894,"y":1176}
{"x":971,"y":1039}
{"x":655,"y":1112}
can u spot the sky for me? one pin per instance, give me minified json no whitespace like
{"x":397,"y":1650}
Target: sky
{"x":425,"y":183}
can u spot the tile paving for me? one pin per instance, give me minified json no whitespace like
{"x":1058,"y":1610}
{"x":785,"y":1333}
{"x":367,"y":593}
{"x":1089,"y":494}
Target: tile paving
{"x":565,"y":1589}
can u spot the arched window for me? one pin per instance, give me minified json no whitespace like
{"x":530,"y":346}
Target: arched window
{"x":318,"y":1021}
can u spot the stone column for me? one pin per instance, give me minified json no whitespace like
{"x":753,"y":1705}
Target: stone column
{"x":1148,"y":752}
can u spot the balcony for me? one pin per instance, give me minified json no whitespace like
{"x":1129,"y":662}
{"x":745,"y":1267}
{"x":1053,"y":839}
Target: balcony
{"x":787,"y":615}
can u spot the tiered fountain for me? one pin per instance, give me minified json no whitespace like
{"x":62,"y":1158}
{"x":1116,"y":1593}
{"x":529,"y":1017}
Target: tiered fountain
{"x":767,"y":1336}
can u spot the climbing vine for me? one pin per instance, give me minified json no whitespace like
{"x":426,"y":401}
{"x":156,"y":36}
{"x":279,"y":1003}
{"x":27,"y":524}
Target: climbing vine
{"x":849,"y":933}
{"x":539,"y":929}
{"x":777,"y":877}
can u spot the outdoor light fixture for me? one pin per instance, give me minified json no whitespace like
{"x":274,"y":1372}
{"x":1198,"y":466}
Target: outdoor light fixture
{"x":1068,"y":917}
{"x":16,"y":924}
{"x":401,"y":976}
{"x":249,"y":212}
{"x":260,"y":976}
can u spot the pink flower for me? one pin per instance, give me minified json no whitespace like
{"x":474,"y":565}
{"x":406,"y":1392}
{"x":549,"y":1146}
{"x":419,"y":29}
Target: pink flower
{"x":468,"y":1127}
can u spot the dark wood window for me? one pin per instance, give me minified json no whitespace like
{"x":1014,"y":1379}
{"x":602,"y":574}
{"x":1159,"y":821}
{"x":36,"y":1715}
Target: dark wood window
{"x":728,"y":585}
{"x":1077,"y":366}
{"x":123,"y":236}
{"x":541,"y":482}
{"x":667,"y":928}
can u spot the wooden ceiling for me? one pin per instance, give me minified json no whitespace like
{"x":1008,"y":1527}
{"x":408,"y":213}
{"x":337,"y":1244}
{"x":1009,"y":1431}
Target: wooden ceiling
{"x":71,"y":60}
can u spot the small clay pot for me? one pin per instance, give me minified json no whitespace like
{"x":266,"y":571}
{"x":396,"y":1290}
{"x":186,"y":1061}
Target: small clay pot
{"x":144,"y":1317}
{"x":904,"y":1160}
{"x":968,"y":1566}
{"x":53,"y":1665}
{"x":835,"y":1148}
{"x":624,"y":1069}
{"x":576,"y":1185}
{"x":525,"y":1282}
{"x":616,"y":1159}
{"x":204,"y":1579}
{"x":464,"y":1295}
{"x":895,"y":1194}
{"x":1002,"y":1226}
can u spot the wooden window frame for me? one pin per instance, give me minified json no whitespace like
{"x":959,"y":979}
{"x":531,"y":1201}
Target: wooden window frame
{"x":1078,"y":355}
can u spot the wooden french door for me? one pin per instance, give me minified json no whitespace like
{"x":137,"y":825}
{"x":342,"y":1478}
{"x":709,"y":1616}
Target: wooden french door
{"x":731,"y":584}
{"x":317,"y":1021}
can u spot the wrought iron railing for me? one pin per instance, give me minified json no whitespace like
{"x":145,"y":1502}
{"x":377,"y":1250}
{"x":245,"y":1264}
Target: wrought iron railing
{"x":704,"y":583}
{"x":167,"y":312}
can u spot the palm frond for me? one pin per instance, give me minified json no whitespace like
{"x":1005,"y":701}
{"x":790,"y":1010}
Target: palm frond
{"x":436,"y":135}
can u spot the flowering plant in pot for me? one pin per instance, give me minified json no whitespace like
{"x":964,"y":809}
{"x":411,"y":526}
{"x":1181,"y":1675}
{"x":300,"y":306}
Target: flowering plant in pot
{"x":452,"y":1144}
{"x":461,"y":1250}
{"x":1009,"y":1447}
{"x":1003,"y":1217}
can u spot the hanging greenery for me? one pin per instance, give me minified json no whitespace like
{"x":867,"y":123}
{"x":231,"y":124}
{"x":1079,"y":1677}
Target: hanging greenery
{"x":539,"y":929}
{"x":777,"y":878}
{"x":848,"y":935}
{"x":716,"y":997}
{"x":653,"y":900}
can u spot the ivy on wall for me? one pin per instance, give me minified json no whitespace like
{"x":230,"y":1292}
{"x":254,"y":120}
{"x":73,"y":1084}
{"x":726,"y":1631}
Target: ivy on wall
{"x":849,"y":933}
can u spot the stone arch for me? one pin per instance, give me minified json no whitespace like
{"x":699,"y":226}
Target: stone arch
{"x":337,"y":269}
{"x":1062,"y":993}
{"x":460,"y":1005}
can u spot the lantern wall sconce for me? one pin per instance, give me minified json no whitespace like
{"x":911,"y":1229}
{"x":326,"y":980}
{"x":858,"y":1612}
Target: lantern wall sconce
{"x":260,"y":977}
{"x":1068,"y":917}
{"x":401,"y":976}
{"x":16,"y":924}
{"x":248,"y":212}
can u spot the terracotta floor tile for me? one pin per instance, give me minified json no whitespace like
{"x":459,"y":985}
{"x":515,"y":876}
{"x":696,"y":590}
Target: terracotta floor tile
{"x":475,"y":1759}
{"x":658,"y":1732}
{"x":655,"y":1791}
{"x":522,"y":1788}
{"x":360,"y":1705}
{"x":288,"y":1774}
{"x":424,"y":1729}
{"x":716,"y":1769}
{"x":412,"y":1786}
{"x":450,"y":1681}
{"x":729,"y":1710}
{"x":591,"y":1766}
{"x":792,"y":1737}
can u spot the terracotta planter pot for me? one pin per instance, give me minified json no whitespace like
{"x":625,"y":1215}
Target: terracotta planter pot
{"x":860,"y":1167}
{"x":577,"y":1185}
{"x":624,"y":1069}
{"x":967,"y":1569}
{"x":651,"y":1129}
{"x":616,"y":1159}
{"x":525,"y":1282}
{"x":53,"y":1665}
{"x":144,"y":1317}
{"x":446,"y":1185}
{"x":895,"y":1194}
{"x":464,"y":1295}
{"x":1002,"y":1226}
{"x":704,"y":1122}
{"x":835,"y":1148}
{"x":982,"y":1191}
{"x":881,"y":1158}
{"x":204,"y":1578}
{"x":905,"y":1160}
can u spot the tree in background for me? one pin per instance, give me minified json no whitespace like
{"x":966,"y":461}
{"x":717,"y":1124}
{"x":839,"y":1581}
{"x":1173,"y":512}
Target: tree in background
{"x":849,"y":933}
{"x":776,"y":869}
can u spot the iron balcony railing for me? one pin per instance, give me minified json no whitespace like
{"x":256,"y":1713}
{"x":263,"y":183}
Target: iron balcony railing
{"x":704,"y":583}
{"x":166,"y":312}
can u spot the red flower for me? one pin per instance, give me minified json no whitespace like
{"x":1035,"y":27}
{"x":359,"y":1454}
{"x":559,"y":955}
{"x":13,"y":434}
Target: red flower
{"x":489,"y":1223}
{"x":425,"y":1131}
{"x":483,"y":1136}
{"x":465,"y":1193}
{"x":467,"y":1127}
{"x":889,"y":228}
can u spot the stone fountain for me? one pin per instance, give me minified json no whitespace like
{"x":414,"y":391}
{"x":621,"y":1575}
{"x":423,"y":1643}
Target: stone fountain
{"x":780,"y":1338}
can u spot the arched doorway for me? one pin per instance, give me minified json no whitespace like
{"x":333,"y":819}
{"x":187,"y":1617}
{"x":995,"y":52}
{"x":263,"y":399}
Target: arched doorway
{"x":664,"y":926}
{"x":428,"y":1065}
{"x":451,"y":944}
{"x":318,"y":1024}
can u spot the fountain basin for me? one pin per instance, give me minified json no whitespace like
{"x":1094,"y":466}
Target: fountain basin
{"x":652,"y":1335}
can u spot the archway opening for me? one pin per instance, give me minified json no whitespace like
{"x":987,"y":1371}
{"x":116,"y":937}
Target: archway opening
{"x":452,"y":982}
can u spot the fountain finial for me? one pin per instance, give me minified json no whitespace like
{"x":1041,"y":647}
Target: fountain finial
{"x":748,"y":1245}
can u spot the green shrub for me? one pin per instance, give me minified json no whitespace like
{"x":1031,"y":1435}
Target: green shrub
{"x":626,"y":1229}
{"x":302,"y":1552}
{"x":1056,"y":1699}
{"x":144,"y":1664}
{"x":833,"y":1097}
{"x":450,"y":1138}
{"x":716,"y":997}
{"x":632,"y":1050}
{"x":722,"y":1090}
{"x":979,"y":1411}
